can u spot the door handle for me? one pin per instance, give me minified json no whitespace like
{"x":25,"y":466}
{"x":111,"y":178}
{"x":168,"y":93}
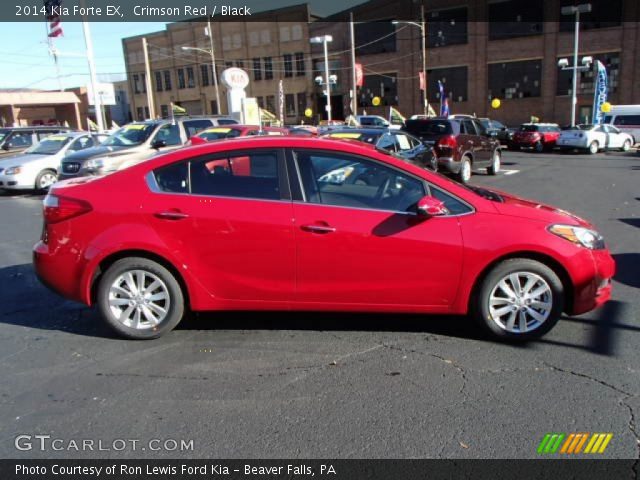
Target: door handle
{"x":318,"y":228}
{"x":171,"y":215}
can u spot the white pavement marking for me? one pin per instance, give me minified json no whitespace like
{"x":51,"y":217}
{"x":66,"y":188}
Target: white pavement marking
{"x":510,"y":172}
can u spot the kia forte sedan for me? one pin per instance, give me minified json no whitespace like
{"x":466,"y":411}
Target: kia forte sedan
{"x":293,"y":223}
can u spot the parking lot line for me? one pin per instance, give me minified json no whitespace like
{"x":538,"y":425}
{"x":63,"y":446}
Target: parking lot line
{"x":510,"y":172}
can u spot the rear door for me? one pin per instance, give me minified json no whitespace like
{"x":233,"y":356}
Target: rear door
{"x":469,"y":138}
{"x":359,"y":242}
{"x":228,"y":217}
{"x":484,"y":153}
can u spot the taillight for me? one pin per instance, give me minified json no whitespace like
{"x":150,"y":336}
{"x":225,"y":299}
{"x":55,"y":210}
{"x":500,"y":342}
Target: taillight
{"x":448,"y":142}
{"x":57,"y":209}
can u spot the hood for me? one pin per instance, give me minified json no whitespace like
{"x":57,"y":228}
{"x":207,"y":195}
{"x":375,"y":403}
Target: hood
{"x":520,"y":207}
{"x":18,"y":160}
{"x":99,"y":151}
{"x":5,"y":160}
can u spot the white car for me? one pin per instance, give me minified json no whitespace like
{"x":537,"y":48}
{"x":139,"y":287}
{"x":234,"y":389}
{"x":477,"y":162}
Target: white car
{"x":594,"y":138}
{"x":375,"y":121}
{"x":37,"y":167}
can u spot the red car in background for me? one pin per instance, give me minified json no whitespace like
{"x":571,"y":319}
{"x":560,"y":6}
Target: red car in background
{"x":233,"y":131}
{"x":307,"y":224}
{"x":538,"y":136}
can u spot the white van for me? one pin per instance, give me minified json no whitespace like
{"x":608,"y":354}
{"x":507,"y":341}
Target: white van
{"x":626,"y":118}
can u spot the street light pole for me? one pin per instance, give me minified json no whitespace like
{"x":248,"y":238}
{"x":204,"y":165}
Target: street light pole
{"x":575,"y":10}
{"x":325,"y":39}
{"x":354,"y":98}
{"x":213,"y":65}
{"x":423,"y":29}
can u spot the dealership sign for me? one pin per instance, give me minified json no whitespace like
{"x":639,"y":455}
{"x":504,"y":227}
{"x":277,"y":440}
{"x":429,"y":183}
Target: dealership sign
{"x":600,"y":95}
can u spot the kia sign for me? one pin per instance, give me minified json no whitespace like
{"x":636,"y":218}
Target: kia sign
{"x":233,"y":78}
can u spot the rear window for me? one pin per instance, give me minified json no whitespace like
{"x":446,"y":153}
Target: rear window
{"x":529,"y":128}
{"x":429,"y":127}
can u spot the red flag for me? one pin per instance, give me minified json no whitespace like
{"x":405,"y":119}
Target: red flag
{"x":421,"y":75}
{"x":53,"y":17}
{"x":359,"y":75}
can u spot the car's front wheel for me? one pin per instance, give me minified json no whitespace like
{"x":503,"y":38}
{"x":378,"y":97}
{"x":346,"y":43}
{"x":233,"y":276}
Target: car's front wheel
{"x":140,"y":299}
{"x":45,"y":179}
{"x":593,"y":147}
{"x":520,"y":299}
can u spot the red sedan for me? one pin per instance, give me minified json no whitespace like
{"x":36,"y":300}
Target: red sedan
{"x":292,"y":223}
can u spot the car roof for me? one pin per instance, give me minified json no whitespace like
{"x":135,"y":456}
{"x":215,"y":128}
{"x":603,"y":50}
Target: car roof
{"x":367,"y":131}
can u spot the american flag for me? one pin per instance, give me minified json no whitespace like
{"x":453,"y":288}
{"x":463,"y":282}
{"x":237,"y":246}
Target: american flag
{"x":53,"y":17}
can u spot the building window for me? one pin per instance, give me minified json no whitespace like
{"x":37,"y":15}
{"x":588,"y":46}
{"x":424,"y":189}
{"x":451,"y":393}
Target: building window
{"x":271,"y":104}
{"x":228,"y":64}
{"x":299,"y":64}
{"x":191,"y":79}
{"x":167,"y":80}
{"x":140,"y":113}
{"x":604,"y":14}
{"x":158,"y":76}
{"x":257,"y":69}
{"x":136,"y":84}
{"x":515,"y":79}
{"x":290,"y":105}
{"x":454,"y":81}
{"x":302,"y":102}
{"x":383,"y":30}
{"x":587,"y":78}
{"x":515,"y":18}
{"x":384,"y":86}
{"x":447,"y":27}
{"x":214,"y":107}
{"x":204,"y":74}
{"x":288,"y":65}
{"x":268,"y":68}
{"x":240,"y":64}
{"x":181,"y":82}
{"x":164,"y":111}
{"x":260,"y":101}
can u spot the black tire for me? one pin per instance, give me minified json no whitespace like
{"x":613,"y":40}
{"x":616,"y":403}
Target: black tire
{"x":480,"y":302}
{"x":593,"y":148}
{"x":626,"y":146}
{"x":44,"y":174}
{"x":538,"y":147}
{"x":433,"y":163}
{"x":494,"y":168}
{"x":176,"y":298}
{"x":464,"y":174}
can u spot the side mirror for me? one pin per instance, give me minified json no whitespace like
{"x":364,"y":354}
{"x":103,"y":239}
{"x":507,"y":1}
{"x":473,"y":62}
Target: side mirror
{"x":158,"y":144}
{"x":431,"y":207}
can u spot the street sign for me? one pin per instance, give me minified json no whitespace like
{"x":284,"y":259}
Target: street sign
{"x":105,"y":92}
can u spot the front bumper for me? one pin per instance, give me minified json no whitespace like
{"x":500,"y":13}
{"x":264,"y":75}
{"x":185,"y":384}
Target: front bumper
{"x":595,"y":288}
{"x":16,"y":182}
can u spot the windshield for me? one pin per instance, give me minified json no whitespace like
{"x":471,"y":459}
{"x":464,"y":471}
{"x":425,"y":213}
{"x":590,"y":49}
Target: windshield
{"x":50,"y":145}
{"x":219,"y":133}
{"x":485,"y":123}
{"x":429,"y":127}
{"x":583,"y":126}
{"x":3,"y":134}
{"x":361,"y":136}
{"x":129,"y":135}
{"x":528,"y":128}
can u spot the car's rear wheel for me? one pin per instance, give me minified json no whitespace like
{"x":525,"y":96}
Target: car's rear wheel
{"x":520,"y":299}
{"x":464,"y":174}
{"x":45,"y":179}
{"x":494,"y":168}
{"x":593,"y":147}
{"x":140,"y":299}
{"x":626,"y":145}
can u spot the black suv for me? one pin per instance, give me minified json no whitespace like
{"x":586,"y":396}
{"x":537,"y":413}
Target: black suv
{"x":461,"y":144}
{"x":17,"y":139}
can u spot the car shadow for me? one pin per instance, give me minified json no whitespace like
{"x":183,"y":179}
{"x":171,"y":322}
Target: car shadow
{"x":634,"y":222}
{"x":627,"y":268}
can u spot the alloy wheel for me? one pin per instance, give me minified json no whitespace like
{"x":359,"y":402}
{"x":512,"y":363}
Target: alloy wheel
{"x":520,"y":302}
{"x":139,"y":299}
{"x":47,"y":180}
{"x":495,"y":163}
{"x":626,"y":146}
{"x":466,"y":171}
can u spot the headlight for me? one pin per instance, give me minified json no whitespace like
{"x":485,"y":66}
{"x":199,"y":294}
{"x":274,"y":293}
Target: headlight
{"x":12,"y":171}
{"x":94,"y":164}
{"x":579,"y":235}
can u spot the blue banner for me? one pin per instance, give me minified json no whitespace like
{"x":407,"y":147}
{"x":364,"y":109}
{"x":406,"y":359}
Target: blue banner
{"x":600,"y":94}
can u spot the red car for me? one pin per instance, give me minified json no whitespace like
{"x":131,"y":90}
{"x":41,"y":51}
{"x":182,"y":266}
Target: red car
{"x":233,"y":131}
{"x":294,"y":223}
{"x":538,"y":136}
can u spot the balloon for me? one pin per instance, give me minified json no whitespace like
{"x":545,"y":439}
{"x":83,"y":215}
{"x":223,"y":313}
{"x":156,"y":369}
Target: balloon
{"x":495,"y":103}
{"x":606,"y":107}
{"x":375,"y":101}
{"x":308,"y":113}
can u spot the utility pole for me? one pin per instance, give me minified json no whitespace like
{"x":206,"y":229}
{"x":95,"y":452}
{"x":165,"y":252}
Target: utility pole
{"x":424,"y":60}
{"x":147,"y":69}
{"x":213,"y":65}
{"x":92,"y":72}
{"x":354,"y":98}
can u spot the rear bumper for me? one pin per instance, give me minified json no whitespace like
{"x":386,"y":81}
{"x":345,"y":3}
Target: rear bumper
{"x":448,"y":164}
{"x":595,"y":289}
{"x":59,"y":272}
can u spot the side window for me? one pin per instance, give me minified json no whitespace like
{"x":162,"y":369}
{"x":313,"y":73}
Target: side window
{"x":331,"y":178}
{"x":191,"y":127}
{"x":173,"y":178}
{"x":468,"y":127}
{"x":627,"y":120}
{"x":242,"y":175}
{"x":479,"y":128}
{"x":388,"y":142}
{"x":20,"y":140}
{"x":404,"y":143}
{"x":81,"y":143}
{"x":455,"y":206}
{"x":226,"y":121}
{"x":612,"y":129}
{"x":169,"y":134}
{"x":601,"y":129}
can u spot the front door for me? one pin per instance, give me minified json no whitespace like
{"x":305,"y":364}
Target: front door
{"x":358,"y":241}
{"x":228,"y":218}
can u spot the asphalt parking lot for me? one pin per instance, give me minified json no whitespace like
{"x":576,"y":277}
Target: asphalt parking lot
{"x":260,"y":385}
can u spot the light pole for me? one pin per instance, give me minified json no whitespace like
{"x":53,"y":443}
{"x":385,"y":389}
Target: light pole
{"x":325,"y":39}
{"x":211,"y":52}
{"x":423,"y":29}
{"x":575,"y":10}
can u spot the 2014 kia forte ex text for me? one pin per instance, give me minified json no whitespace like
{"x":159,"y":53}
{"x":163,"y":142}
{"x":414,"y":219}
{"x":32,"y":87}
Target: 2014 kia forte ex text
{"x":293,"y":223}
